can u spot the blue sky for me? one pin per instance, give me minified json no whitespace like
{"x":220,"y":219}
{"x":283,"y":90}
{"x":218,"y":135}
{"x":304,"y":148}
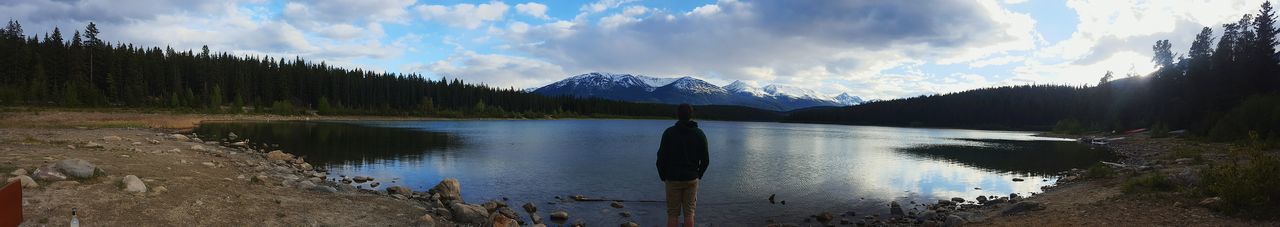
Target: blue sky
{"x":873,"y":49}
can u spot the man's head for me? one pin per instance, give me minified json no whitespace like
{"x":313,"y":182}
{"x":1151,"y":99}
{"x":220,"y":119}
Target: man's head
{"x":684,"y":112}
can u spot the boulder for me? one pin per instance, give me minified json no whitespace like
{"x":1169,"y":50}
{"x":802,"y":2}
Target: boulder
{"x":48,"y":173}
{"x":559,"y":215}
{"x":25,"y":181}
{"x":529,"y":207}
{"x":278,"y":155}
{"x":826,"y":217}
{"x":133,"y":184}
{"x":305,"y":166}
{"x":400,"y":190}
{"x":19,"y":172}
{"x":77,"y":168}
{"x":1023,"y":206}
{"x":507,"y":211}
{"x":953,"y":220}
{"x":467,"y":213}
{"x":426,"y":220}
{"x":449,"y":189}
{"x":957,"y":199}
{"x":1014,"y":196}
{"x":232,"y":136}
{"x":981,"y":199}
{"x":895,"y":209}
{"x":499,"y":220}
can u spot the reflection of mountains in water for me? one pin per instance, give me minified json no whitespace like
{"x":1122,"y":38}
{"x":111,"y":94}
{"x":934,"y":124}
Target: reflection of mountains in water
{"x":334,"y":142}
{"x":1027,"y":157}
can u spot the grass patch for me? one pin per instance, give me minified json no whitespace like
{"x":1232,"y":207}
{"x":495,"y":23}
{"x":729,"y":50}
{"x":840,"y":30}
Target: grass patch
{"x":1186,"y":152}
{"x":1099,"y":171}
{"x":1147,"y":183}
{"x":1248,"y":187}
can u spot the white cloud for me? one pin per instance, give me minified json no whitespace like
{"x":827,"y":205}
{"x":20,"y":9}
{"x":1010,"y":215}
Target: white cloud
{"x":602,"y":5}
{"x":533,"y":9}
{"x":493,"y":69}
{"x":464,"y":15}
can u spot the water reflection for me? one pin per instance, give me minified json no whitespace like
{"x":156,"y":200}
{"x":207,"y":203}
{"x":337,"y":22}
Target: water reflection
{"x":813,"y":167}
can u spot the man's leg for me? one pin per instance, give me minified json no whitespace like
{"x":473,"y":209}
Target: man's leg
{"x":690,"y":196}
{"x":673,"y":203}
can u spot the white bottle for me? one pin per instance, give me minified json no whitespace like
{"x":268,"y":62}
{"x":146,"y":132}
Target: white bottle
{"x":75,"y":221}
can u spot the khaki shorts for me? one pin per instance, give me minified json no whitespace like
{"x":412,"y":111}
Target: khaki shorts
{"x":681,"y":195}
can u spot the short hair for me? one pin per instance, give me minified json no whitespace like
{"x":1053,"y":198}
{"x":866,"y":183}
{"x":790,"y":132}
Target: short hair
{"x":684,"y":112}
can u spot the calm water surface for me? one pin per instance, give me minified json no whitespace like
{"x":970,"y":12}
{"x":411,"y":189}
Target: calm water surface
{"x":813,"y":167}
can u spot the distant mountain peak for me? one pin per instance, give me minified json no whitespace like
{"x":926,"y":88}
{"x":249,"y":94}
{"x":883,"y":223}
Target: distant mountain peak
{"x":848,"y":100}
{"x":687,"y":89}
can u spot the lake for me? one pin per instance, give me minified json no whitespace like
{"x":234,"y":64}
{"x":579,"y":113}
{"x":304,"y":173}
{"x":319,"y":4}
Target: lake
{"x":813,"y":167}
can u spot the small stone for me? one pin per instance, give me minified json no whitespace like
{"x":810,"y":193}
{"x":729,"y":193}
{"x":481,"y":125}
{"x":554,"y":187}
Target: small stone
{"x":232,"y":136}
{"x":92,"y":145}
{"x":180,"y":137}
{"x":278,"y":155}
{"x":175,"y":150}
{"x":209,"y":164}
{"x":1210,"y":201}
{"x":160,"y":189}
{"x":19,"y":172}
{"x":400,"y":190}
{"x":69,"y":146}
{"x":426,"y":220}
{"x":529,"y":207}
{"x":304,"y":185}
{"x":981,"y":199}
{"x":630,"y":224}
{"x":371,"y":185}
{"x":616,"y":204}
{"x":25,"y":181}
{"x":1015,"y":179}
{"x":112,"y":138}
{"x":560,"y":215}
{"x":198,"y":148}
{"x":133,"y":184}
{"x":153,"y":141}
{"x":324,"y":189}
{"x":305,"y":166}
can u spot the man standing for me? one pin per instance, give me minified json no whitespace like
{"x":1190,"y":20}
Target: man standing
{"x":682,"y":158}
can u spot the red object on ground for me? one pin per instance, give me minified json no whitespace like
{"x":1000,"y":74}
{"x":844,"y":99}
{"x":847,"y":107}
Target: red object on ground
{"x":11,"y":204}
{"x":1135,"y":131}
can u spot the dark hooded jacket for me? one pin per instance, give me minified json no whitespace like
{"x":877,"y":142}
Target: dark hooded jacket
{"x":683,"y":153}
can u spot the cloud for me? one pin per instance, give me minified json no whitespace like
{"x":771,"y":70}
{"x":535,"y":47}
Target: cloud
{"x":797,"y":44}
{"x":533,"y":9}
{"x":493,"y":69}
{"x":602,"y":5}
{"x":464,"y":15}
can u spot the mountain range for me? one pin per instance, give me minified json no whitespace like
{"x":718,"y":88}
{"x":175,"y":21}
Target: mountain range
{"x":638,"y":88}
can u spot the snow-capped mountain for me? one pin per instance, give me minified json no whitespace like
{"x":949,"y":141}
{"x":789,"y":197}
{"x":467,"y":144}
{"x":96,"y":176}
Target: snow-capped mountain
{"x":637,"y":88}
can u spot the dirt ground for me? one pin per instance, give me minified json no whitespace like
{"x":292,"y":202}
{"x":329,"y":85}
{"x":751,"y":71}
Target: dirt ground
{"x":198,"y":194}
{"x":1101,"y":202}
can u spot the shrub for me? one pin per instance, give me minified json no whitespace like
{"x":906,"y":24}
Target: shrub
{"x":1260,"y":114}
{"x":1068,"y":126}
{"x":1151,"y":182}
{"x":1159,"y":131}
{"x":1248,"y":185}
{"x":1099,"y":171}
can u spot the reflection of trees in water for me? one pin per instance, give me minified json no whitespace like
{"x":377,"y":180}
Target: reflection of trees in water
{"x":1027,"y":157}
{"x":335,"y":142}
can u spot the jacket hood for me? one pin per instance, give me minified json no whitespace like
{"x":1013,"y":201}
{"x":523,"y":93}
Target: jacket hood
{"x":691,"y":124}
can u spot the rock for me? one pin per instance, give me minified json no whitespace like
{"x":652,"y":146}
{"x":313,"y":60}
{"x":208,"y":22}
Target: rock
{"x":197,"y":140}
{"x":997,"y":201}
{"x":77,"y":168}
{"x":927,"y":215}
{"x":400,"y":190}
{"x":529,"y":207}
{"x":426,"y":220}
{"x":616,"y":204}
{"x":133,"y":184}
{"x":232,"y":136}
{"x":324,"y":189}
{"x":92,"y":145}
{"x":112,"y":138}
{"x":304,"y":185}
{"x":209,"y":164}
{"x":360,"y":179}
{"x":25,"y":181}
{"x":180,"y":137}
{"x":260,"y":179}
{"x":48,"y":173}
{"x":467,"y":213}
{"x":240,"y":144}
{"x":560,"y":215}
{"x":1023,"y":206}
{"x":374,"y":184}
{"x":507,"y":211}
{"x":278,"y":155}
{"x":982,"y":199}
{"x":579,"y":223}
{"x":490,"y":206}
{"x":826,"y":217}
{"x":159,"y":189}
{"x":953,"y":220}
{"x":1015,"y":179}
{"x":153,"y":141}
{"x":307,"y":166}
{"x":19,"y":172}
{"x":1210,"y":201}
{"x":499,"y":220}
{"x":1014,"y":196}
{"x":199,"y":148}
{"x":895,"y":209}
{"x":946,"y":202}
{"x":957,"y":199}
{"x":449,"y":189}
{"x":630,"y":224}
{"x":69,"y":146}
{"x":1183,"y":161}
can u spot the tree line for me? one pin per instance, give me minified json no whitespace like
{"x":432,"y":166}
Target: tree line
{"x":87,"y":72}
{"x":1223,"y":87}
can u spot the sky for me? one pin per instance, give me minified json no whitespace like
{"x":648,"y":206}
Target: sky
{"x":872,"y":49}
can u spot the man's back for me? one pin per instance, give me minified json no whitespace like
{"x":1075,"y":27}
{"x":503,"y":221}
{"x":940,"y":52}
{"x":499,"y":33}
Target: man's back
{"x":682,"y":156}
